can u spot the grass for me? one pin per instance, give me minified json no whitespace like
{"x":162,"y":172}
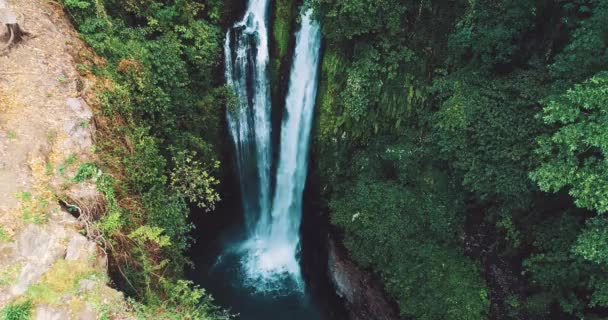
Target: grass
{"x":3,"y":235}
{"x":32,"y":208}
{"x":51,"y":135}
{"x":69,"y":161}
{"x":24,"y":196}
{"x":53,"y":286}
{"x":17,"y":311}
{"x":48,"y":169}
{"x":64,"y":280}
{"x":8,"y":275}
{"x":29,"y":216}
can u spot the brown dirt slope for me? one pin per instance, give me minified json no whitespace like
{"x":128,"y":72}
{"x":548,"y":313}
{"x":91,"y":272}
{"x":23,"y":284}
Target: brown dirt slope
{"x":45,"y":136}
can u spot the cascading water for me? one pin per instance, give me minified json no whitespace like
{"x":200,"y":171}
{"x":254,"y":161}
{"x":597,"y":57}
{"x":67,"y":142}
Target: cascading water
{"x":246,"y":52}
{"x":270,"y":253}
{"x":284,"y":238}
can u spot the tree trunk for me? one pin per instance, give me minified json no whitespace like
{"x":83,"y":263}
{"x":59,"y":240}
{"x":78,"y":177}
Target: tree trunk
{"x":9,"y":19}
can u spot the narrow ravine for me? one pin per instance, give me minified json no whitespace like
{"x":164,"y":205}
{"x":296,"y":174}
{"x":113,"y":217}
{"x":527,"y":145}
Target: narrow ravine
{"x":258,"y":272}
{"x":271,"y":248}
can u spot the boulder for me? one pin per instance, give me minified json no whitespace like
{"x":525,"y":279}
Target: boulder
{"x":77,"y":126}
{"x":41,"y":245}
{"x":44,"y":312}
{"x":80,"y":108}
{"x":79,"y":248}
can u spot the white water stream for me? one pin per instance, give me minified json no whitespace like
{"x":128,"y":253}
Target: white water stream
{"x":271,"y":252}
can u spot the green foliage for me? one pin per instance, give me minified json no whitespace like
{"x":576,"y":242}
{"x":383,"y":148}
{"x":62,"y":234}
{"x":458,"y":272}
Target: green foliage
{"x":112,"y":221}
{"x":384,"y":223}
{"x":480,"y":128}
{"x":574,"y":154}
{"x":77,"y":4}
{"x":152,"y":234}
{"x":385,"y":220}
{"x":283,"y":20}
{"x":161,"y":100}
{"x":591,"y":243}
{"x":87,"y":171}
{"x":461,"y":85}
{"x":588,"y":51}
{"x":145,"y":166}
{"x":346,"y":20}
{"x":183,"y":301}
{"x":284,"y":16}
{"x":193,"y":180}
{"x":559,"y":269}
{"x":489,"y":30}
{"x":371,"y":95}
{"x":17,"y":311}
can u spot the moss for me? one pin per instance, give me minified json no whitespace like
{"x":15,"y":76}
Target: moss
{"x":283,"y":21}
{"x":284,"y":17}
{"x":63,"y":279}
{"x":328,"y":100}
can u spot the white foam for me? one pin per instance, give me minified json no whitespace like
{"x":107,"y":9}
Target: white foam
{"x":269,"y":258}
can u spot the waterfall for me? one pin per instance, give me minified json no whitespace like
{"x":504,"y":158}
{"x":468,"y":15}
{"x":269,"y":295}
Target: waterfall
{"x":246,"y":52}
{"x":295,"y":138}
{"x":270,"y":253}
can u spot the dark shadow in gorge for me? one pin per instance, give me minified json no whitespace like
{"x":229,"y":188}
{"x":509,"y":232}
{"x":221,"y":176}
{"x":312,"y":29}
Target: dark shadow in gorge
{"x":215,"y":231}
{"x":218,"y":230}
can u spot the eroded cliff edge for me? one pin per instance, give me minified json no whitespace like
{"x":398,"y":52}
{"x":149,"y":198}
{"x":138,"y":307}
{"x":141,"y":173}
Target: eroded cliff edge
{"x":46,"y":134}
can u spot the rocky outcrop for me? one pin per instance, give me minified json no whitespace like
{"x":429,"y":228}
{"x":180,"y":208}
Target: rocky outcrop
{"x":53,"y":264}
{"x":364,"y":297}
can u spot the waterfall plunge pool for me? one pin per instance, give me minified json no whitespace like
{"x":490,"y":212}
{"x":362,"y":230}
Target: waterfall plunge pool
{"x":220,"y":271}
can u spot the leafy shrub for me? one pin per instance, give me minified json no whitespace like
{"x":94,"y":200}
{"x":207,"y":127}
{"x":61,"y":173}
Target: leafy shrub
{"x":573,"y":156}
{"x":183,"y":301}
{"x":193,"y":180}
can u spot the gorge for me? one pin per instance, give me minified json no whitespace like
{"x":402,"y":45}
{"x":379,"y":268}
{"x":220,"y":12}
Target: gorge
{"x":304,"y":159}
{"x":268,"y":253}
{"x":271,"y":249}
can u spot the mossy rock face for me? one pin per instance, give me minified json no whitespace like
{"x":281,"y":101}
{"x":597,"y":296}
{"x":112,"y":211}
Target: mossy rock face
{"x":283,"y":22}
{"x":284,"y":15}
